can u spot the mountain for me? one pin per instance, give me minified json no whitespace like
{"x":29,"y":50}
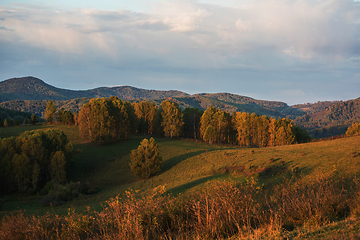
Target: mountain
{"x":30,"y":94}
{"x":31,"y":88}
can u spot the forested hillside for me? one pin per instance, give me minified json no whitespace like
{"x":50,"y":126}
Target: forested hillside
{"x":38,"y":106}
{"x":31,"y":88}
{"x":327,"y":119}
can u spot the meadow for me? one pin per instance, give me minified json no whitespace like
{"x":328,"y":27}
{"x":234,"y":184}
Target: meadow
{"x":191,"y":167}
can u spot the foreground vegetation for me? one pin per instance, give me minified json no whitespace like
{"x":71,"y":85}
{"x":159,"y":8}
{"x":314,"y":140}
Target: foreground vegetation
{"x":219,"y":210}
{"x":304,"y":190}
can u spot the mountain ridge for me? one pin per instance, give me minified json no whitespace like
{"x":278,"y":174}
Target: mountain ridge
{"x":32,"y":88}
{"x":19,"y":91}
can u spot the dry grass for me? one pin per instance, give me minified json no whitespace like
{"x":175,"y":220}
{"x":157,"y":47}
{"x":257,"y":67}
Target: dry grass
{"x":297,"y":191}
{"x":220,"y":210}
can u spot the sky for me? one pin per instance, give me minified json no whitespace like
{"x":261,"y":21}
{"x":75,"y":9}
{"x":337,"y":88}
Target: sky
{"x":295,"y":51}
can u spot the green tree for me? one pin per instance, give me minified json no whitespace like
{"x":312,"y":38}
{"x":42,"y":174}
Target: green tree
{"x":50,"y":111}
{"x":146,"y":160}
{"x":301,"y":134}
{"x":36,"y":175}
{"x":58,"y":167}
{"x":22,"y":171}
{"x":26,"y":121}
{"x":192,"y":118}
{"x":172,"y":118}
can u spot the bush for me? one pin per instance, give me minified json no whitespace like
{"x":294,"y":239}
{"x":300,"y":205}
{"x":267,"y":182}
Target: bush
{"x":145,"y":160}
{"x":58,"y":194}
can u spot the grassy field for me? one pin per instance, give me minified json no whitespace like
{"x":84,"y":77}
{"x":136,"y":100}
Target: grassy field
{"x":188,"y":164}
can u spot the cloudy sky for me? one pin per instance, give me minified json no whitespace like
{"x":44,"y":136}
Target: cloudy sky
{"x":295,"y":51}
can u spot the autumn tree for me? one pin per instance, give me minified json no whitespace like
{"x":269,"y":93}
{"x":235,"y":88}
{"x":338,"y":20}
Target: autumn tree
{"x":172,"y":118}
{"x":284,"y":132}
{"x":353,"y":130}
{"x":101,"y":120}
{"x":65,"y":117}
{"x":215,"y":125}
{"x":146,"y":115}
{"x":261,"y":131}
{"x":50,"y":111}
{"x":146,"y":160}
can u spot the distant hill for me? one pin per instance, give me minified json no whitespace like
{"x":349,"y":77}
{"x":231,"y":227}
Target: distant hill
{"x":322,"y":119}
{"x":31,"y":88}
{"x":30,"y":94}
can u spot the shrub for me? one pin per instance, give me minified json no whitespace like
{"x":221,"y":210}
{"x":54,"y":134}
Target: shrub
{"x":58,"y":194}
{"x":145,"y":160}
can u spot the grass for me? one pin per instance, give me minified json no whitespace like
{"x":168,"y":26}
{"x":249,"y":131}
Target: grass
{"x":188,"y":165}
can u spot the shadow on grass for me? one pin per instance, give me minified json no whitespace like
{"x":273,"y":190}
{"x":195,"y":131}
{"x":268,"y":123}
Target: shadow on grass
{"x":167,"y":165}
{"x":182,"y":188}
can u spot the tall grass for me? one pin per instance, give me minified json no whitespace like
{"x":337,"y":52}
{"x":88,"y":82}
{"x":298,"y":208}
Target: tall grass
{"x":220,"y":210}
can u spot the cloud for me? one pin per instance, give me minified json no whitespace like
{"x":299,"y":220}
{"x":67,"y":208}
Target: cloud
{"x":255,"y":39}
{"x":304,"y":29}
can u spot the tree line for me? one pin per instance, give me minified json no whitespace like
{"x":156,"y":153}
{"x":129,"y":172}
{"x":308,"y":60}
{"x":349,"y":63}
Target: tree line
{"x":102,"y":120}
{"x":10,"y":118}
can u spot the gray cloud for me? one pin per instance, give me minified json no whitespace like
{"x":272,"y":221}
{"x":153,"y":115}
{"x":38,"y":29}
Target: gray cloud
{"x":276,"y":49}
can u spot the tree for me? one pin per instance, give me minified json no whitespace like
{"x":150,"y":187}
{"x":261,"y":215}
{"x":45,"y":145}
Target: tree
{"x":221,"y":125}
{"x":301,"y":134}
{"x":6,"y":123}
{"x":58,"y":167}
{"x":102,"y":120}
{"x":65,"y":117}
{"x":353,"y":130}
{"x":171,"y":118}
{"x":192,"y":122}
{"x":146,"y":114}
{"x":22,"y":171}
{"x":145,"y":160}
{"x":33,"y":119}
{"x":50,"y":111}
{"x":32,"y":159}
{"x":26,"y":121}
{"x":284,"y":133}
